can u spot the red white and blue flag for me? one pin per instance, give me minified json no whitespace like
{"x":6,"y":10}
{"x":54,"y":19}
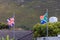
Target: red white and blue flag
{"x":10,"y":21}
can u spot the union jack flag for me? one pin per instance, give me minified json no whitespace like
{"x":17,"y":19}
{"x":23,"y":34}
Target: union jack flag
{"x":10,"y":21}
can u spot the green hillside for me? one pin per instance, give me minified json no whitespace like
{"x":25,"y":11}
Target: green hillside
{"x":27,"y":13}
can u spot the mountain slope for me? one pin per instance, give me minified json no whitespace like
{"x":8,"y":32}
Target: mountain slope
{"x":27,"y":12}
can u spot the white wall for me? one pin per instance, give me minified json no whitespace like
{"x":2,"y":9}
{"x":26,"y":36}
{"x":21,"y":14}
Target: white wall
{"x":48,"y":38}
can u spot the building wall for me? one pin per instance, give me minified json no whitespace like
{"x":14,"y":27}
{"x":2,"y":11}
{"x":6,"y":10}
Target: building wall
{"x":48,"y":38}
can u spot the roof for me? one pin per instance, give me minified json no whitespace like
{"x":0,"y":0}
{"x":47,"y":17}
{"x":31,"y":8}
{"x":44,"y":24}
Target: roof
{"x":18,"y":34}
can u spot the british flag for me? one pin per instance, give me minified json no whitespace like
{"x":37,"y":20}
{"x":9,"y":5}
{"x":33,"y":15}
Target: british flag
{"x":10,"y":21}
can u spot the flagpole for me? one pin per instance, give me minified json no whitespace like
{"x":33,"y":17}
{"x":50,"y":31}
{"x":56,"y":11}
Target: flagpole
{"x":47,"y":24}
{"x":14,"y":26}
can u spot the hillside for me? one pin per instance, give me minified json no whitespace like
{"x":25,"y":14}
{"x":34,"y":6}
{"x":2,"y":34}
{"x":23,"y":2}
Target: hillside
{"x":27,"y":12}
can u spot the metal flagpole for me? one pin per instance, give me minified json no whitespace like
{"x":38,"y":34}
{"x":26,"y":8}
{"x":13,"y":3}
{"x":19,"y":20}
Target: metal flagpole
{"x":47,"y":22}
{"x":14,"y":26}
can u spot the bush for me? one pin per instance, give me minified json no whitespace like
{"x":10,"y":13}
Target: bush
{"x":4,"y":26}
{"x":40,"y":29}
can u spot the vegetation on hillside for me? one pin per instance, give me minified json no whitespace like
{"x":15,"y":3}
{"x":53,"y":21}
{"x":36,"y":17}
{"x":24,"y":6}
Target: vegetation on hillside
{"x":27,"y":13}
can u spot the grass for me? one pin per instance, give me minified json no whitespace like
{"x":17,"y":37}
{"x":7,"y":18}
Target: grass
{"x":7,"y":38}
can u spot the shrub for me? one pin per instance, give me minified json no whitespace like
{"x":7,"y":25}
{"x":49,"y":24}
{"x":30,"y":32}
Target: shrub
{"x":40,"y":29}
{"x":4,"y":26}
